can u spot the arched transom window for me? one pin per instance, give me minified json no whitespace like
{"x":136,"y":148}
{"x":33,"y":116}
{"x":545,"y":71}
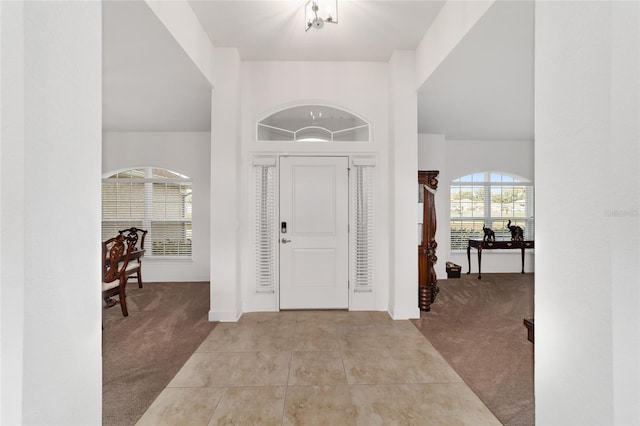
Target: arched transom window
{"x":313,"y":123}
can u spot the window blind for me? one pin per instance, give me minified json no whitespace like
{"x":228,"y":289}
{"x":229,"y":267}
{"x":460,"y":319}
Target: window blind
{"x":363,"y":237}
{"x":157,"y":200}
{"x":265,"y":224}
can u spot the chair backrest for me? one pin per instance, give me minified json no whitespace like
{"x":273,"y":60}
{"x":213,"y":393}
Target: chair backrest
{"x":115,"y":255}
{"x":134,"y":234}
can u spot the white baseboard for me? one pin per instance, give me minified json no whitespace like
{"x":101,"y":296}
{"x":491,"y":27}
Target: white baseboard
{"x":405,"y":313}
{"x":224,"y":316}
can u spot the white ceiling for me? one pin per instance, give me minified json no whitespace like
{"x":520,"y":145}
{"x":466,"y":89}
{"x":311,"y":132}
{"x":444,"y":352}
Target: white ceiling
{"x":274,"y":30}
{"x":483,"y":90}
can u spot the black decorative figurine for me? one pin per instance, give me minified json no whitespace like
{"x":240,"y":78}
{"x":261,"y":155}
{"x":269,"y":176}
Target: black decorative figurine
{"x":489,"y":235}
{"x":516,"y":232}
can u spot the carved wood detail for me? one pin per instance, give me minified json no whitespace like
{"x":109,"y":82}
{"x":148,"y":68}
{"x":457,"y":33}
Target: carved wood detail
{"x":427,"y":279}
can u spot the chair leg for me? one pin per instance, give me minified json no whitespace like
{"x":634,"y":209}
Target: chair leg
{"x":123,"y":297}
{"x":109,"y":302}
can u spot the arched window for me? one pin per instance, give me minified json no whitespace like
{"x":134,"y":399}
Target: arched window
{"x":155,"y":199}
{"x":313,"y":123}
{"x":489,"y":199}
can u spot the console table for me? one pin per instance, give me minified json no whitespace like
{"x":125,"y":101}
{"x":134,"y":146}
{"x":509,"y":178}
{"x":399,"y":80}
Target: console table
{"x":494,"y":245}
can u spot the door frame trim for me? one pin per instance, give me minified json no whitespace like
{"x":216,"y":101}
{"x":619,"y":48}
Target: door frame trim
{"x":270,"y":302}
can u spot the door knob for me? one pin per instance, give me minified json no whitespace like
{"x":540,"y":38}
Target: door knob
{"x":285,"y":241}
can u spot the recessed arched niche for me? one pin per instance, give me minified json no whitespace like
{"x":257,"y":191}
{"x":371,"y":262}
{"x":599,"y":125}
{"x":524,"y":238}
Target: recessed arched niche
{"x":313,"y":123}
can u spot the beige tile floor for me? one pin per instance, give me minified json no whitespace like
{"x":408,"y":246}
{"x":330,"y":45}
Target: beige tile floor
{"x":317,"y":368}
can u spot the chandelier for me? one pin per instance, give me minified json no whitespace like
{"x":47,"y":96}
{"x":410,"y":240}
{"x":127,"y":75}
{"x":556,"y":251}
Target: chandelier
{"x":317,"y":12}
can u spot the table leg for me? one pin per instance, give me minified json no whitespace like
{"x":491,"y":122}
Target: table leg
{"x":469,"y":259}
{"x":523,"y":258}
{"x":479,"y":263}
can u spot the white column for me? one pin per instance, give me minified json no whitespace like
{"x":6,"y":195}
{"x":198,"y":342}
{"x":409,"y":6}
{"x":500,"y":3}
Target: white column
{"x":403,"y":172}
{"x":11,"y":212}
{"x":587,"y":223}
{"x":225,"y":157}
{"x":51,"y":174}
{"x":624,"y":212}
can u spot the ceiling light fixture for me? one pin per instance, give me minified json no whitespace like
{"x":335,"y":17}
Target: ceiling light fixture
{"x":317,"y":12}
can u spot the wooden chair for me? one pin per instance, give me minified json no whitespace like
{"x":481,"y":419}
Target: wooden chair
{"x":115,"y":258}
{"x":135,"y":235}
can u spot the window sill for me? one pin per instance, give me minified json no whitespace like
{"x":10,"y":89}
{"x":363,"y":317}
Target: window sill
{"x":172,"y":259}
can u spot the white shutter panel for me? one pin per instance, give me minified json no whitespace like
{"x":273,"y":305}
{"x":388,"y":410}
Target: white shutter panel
{"x":265,"y":225}
{"x":363,"y":238}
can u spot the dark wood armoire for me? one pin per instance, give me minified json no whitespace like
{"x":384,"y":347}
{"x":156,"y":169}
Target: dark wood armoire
{"x":427,"y":280}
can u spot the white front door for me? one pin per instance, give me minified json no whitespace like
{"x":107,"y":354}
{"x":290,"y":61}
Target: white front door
{"x":314,"y":242}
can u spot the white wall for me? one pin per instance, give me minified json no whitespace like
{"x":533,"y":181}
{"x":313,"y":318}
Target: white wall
{"x":180,"y":20}
{"x":587,"y":108}
{"x":455,"y":20}
{"x":362,"y":88}
{"x":55,"y":105}
{"x":187,"y":153}
{"x":455,"y":158}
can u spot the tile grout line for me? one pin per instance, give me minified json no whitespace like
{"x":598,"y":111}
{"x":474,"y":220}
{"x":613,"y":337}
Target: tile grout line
{"x":213,"y":413}
{"x":348,"y":385}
